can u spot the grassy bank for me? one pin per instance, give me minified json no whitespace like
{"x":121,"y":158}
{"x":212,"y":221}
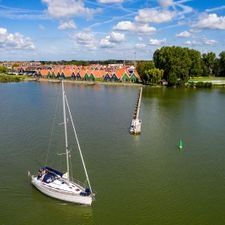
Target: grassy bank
{"x":10,"y":78}
{"x":206,"y":79}
{"x":207,"y":82}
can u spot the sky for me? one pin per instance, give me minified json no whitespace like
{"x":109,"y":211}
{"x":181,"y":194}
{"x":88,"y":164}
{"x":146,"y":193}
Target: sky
{"x":107,"y":29}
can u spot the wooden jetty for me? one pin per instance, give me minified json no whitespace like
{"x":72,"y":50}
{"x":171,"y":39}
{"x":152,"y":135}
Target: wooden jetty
{"x":135,"y":127}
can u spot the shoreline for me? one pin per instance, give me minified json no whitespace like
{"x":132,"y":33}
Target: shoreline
{"x":88,"y":83}
{"x":215,"y":83}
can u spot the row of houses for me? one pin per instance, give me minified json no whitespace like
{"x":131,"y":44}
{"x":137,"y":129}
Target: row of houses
{"x":119,"y":75}
{"x":22,"y":67}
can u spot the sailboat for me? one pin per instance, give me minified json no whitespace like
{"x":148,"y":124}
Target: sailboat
{"x":59,"y":185}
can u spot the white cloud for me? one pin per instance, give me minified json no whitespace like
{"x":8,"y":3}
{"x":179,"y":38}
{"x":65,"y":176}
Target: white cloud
{"x":124,"y":26}
{"x":157,"y":42}
{"x":111,"y":40}
{"x":191,"y":42}
{"x":85,"y":39}
{"x":183,"y":34}
{"x":149,"y":15}
{"x":117,"y":37}
{"x":140,"y":45}
{"x":14,"y":41}
{"x":67,"y":25}
{"x":201,"y":41}
{"x":105,"y":43}
{"x":165,"y":3}
{"x":110,"y":1}
{"x":133,"y":27}
{"x":209,"y":41}
{"x":145,"y":29}
{"x":210,"y":21}
{"x":67,"y":8}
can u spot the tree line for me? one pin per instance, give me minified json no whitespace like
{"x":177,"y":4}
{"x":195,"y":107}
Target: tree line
{"x":87,"y":62}
{"x":177,"y":64}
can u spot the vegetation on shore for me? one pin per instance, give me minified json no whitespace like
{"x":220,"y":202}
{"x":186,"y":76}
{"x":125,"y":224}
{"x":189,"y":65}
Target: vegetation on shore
{"x":11,"y":78}
{"x":201,"y":79}
{"x":200,"y":84}
{"x":176,"y":65}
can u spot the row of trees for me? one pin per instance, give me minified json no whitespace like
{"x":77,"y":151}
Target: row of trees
{"x":86,"y":62}
{"x":176,"y":65}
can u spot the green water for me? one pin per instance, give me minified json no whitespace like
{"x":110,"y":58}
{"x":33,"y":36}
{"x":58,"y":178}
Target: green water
{"x":139,"y":180}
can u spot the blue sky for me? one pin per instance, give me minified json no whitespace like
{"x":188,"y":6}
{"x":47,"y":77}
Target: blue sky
{"x":107,"y":29}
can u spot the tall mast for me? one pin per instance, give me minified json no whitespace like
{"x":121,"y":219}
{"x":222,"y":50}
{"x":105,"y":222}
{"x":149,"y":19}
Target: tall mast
{"x":78,"y":145}
{"x":65,"y":128}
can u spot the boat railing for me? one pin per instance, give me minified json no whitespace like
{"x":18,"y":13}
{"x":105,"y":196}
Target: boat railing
{"x":81,"y":184}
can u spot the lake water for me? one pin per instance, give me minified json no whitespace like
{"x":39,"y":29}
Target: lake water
{"x":138,"y":180}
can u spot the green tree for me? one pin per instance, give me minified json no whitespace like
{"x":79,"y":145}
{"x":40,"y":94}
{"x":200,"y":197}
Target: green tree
{"x":216,"y":68}
{"x":3,"y":69}
{"x":142,"y":67}
{"x":209,"y":60}
{"x":153,"y":76}
{"x":15,"y":65}
{"x":176,"y":63}
{"x":196,"y":63}
{"x":222,"y":64}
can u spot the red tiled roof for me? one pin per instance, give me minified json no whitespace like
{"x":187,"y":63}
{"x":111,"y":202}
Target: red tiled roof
{"x":137,"y":74}
{"x":82,"y":73}
{"x":56,"y":71}
{"x":44,"y":72}
{"x":120,"y":72}
{"x":67,"y":72}
{"x":96,"y":73}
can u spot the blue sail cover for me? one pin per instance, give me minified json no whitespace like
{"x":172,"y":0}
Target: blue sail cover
{"x":49,"y":177}
{"x":54,"y":171}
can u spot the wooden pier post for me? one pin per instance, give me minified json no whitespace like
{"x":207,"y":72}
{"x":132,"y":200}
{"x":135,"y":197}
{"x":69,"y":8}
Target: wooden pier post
{"x":135,"y":127}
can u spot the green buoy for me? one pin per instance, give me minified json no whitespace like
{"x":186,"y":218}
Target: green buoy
{"x":180,"y":145}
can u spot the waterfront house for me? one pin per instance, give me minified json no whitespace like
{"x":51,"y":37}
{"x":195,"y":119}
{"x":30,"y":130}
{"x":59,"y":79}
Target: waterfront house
{"x":134,"y":77}
{"x":114,"y":78}
{"x":107,"y":77}
{"x":67,"y":73}
{"x":43,"y":73}
{"x":122,"y":75}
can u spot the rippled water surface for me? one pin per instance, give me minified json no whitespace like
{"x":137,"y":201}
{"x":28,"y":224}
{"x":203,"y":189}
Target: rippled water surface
{"x":139,"y":180}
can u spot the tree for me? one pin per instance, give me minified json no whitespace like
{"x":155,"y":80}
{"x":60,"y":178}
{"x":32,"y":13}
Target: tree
{"x":196,"y":63}
{"x":3,"y":69}
{"x":216,"y":67}
{"x":222,"y":64}
{"x":208,"y":62}
{"x":15,"y":65}
{"x":176,"y":63}
{"x":144,"y":66}
{"x":153,"y":76}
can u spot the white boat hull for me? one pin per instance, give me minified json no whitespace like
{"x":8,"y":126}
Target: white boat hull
{"x":63,"y":195}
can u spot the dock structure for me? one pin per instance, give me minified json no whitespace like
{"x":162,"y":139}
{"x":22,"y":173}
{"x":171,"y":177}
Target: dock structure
{"x":135,"y":127}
